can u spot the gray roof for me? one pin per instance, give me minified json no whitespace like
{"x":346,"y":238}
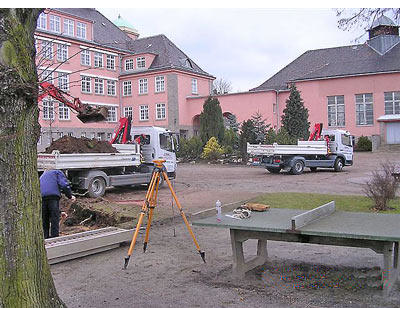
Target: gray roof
{"x":382,"y":20}
{"x":105,"y":33}
{"x":334,"y":62}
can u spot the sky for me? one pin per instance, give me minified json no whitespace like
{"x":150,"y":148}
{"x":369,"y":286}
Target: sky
{"x":244,"y":46}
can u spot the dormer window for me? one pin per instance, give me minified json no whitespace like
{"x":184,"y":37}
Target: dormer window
{"x":69,"y":27}
{"x":81,"y":30}
{"x":55,"y":24}
{"x":129,"y":64}
{"x":188,"y":64}
{"x":42,"y":21}
{"x":140,"y":62}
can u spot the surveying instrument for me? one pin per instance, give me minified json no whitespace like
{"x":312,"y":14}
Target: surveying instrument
{"x":149,"y":205}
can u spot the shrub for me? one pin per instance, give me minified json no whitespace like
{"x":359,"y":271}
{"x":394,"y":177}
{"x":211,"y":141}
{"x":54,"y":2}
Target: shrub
{"x":212,"y":150}
{"x":190,"y":149}
{"x":382,"y":187}
{"x":364,"y":144}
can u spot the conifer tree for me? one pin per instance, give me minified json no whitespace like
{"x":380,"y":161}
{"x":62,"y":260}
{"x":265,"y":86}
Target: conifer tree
{"x":247,"y":135}
{"x":211,"y":121}
{"x":260,"y":127}
{"x":295,"y":116}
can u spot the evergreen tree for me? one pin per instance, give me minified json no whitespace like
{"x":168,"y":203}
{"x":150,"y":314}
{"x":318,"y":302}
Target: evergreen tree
{"x":295,"y":116}
{"x":270,"y":137}
{"x":260,"y":127}
{"x":230,"y":122}
{"x":247,"y":135}
{"x":211,"y":121}
{"x":283,"y":137}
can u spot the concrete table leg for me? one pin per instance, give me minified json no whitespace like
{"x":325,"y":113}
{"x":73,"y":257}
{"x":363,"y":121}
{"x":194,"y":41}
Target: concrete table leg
{"x":390,"y":266}
{"x":240,"y":266}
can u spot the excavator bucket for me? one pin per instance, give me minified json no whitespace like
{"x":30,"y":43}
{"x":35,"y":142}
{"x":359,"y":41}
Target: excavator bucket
{"x":93,"y":114}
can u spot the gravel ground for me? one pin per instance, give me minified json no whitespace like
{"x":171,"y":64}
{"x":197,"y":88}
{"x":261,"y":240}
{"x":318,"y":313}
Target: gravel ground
{"x":172,"y":274}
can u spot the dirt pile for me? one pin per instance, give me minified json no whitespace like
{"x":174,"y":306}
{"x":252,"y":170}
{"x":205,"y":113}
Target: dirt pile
{"x":72,"y":145}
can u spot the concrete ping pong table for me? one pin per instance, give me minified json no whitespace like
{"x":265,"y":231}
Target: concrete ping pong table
{"x":323,"y":225}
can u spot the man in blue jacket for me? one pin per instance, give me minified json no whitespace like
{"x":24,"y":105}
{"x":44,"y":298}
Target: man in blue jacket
{"x":52,"y":183}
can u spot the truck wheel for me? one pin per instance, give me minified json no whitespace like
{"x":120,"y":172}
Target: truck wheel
{"x":298,"y":167}
{"x":97,"y":187}
{"x":338,"y":164}
{"x":274,"y":170}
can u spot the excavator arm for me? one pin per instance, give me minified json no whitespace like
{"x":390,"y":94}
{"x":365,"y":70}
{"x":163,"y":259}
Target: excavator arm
{"x":86,"y":113}
{"x":122,"y":134}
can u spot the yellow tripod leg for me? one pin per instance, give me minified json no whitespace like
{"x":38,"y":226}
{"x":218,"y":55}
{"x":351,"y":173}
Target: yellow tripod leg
{"x":141,"y":216}
{"x":202,"y":253}
{"x":153,"y":201}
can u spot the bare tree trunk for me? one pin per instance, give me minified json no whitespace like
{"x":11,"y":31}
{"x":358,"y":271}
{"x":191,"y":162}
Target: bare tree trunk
{"x":25,"y":278}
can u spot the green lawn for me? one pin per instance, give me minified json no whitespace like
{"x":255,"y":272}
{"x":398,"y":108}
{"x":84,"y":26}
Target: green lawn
{"x":308,"y":201}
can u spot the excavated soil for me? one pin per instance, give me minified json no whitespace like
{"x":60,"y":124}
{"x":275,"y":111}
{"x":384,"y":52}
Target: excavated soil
{"x":73,"y":145}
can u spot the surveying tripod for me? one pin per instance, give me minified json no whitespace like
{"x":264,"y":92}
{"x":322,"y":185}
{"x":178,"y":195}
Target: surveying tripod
{"x":149,"y":205}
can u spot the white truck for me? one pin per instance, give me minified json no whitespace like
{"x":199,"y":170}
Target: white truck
{"x":334,"y":151}
{"x":132,"y":165}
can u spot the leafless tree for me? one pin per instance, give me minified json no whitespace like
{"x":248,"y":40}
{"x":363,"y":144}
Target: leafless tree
{"x":362,"y":18}
{"x":221,"y":86}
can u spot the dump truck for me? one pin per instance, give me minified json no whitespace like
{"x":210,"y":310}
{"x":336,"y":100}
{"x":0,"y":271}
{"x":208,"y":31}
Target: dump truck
{"x":92,"y":173}
{"x":324,"y":149}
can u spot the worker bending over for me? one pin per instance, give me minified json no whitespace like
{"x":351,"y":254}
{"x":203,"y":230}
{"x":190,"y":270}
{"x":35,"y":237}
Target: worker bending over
{"x":52,"y":183}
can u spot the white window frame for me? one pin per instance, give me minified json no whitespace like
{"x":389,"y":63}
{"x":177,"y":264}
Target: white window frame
{"x":63,"y":112}
{"x":55,"y":23}
{"x":47,"y":76}
{"x":112,"y":114}
{"x":98,"y":86}
{"x":63,"y":81}
{"x":143,"y":86}
{"x":363,"y":108}
{"x":83,"y":134}
{"x":85,"y":57}
{"x":47,"y":49}
{"x":161,"y":111}
{"x":392,"y":102}
{"x":86,"y":84}
{"x":143,"y":112}
{"x":127,"y":88}
{"x":140,"y":62}
{"x":159,"y":83}
{"x":128,"y":111}
{"x":194,"y":86}
{"x":69,"y":27}
{"x":98,"y":60}
{"x":111,"y":87}
{"x":62,"y":52}
{"x":336,"y":108}
{"x":129,"y":64}
{"x":42,"y":21}
{"x":81,"y":30}
{"x":48,"y":109}
{"x":110,"y":62}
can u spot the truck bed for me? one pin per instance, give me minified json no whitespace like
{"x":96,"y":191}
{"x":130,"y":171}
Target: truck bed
{"x":302,"y":148}
{"x":55,"y":160}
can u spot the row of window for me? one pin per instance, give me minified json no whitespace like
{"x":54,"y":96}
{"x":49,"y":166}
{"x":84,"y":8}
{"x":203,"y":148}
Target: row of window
{"x":53,"y":23}
{"x":140,"y":63}
{"x":50,"y":106}
{"x":50,"y":76}
{"x":98,"y":60}
{"x":86,"y":85}
{"x":143,"y":87}
{"x":364,"y":108}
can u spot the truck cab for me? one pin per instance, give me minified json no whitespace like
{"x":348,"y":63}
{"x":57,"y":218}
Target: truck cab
{"x":340,"y":143}
{"x":156,"y":143}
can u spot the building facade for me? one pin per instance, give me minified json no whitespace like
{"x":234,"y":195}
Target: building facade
{"x":86,"y":55}
{"x":355,"y":87}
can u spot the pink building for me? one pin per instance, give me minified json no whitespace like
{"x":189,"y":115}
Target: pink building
{"x":356,"y":87}
{"x":106,"y":64}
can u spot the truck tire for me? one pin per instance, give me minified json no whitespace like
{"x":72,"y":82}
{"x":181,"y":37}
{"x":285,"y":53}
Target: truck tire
{"x":298,"y":167}
{"x":338,"y":166}
{"x":273,"y":170}
{"x":97,"y":187}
